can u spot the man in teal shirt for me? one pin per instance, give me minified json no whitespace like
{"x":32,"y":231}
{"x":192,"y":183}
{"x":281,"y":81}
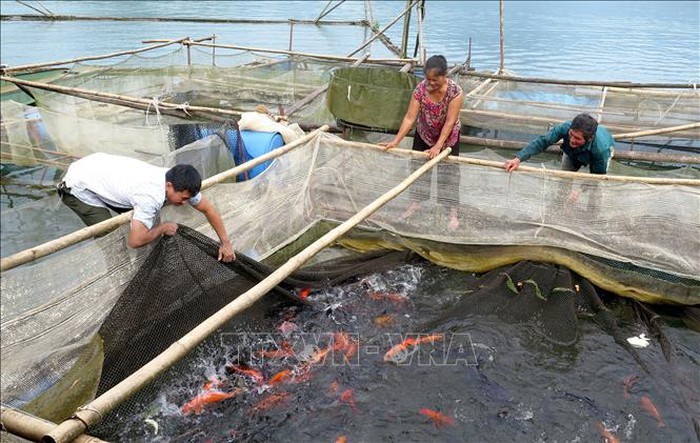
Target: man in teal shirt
{"x":584,"y":143}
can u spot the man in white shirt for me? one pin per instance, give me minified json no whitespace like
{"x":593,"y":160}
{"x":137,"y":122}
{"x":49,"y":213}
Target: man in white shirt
{"x":99,"y":182}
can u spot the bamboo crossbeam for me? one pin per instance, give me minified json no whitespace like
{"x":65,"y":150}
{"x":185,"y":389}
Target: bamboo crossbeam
{"x":86,"y":416}
{"x":123,"y":100}
{"x":579,"y":175}
{"x":33,"y":17}
{"x":578,"y":82}
{"x":58,"y":244}
{"x":376,"y":36}
{"x":43,"y":151}
{"x":304,"y":54}
{"x":304,"y":101}
{"x":555,"y":149}
{"x":553,"y":120}
{"x":657,"y":131}
{"x":20,"y":68}
{"x":32,"y":428}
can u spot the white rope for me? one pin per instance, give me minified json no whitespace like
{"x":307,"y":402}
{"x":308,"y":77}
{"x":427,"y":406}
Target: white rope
{"x":154,"y":102}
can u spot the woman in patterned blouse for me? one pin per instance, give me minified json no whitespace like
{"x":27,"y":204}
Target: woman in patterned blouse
{"x":435,"y":104}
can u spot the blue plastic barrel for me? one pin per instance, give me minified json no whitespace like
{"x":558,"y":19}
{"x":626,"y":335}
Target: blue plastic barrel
{"x":258,"y":143}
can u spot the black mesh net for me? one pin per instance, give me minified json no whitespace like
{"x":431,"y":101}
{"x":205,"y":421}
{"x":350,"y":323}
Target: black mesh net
{"x":181,"y":284}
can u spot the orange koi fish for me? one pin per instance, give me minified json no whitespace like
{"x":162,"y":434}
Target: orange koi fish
{"x":341,"y":439}
{"x":608,"y":437}
{"x":351,"y":350}
{"x":246,"y":370}
{"x":404,"y":346}
{"x":280,"y":377}
{"x":319,"y":356}
{"x":333,"y":387}
{"x":341,"y":341}
{"x":348,"y":396}
{"x":388,"y":296}
{"x":269,"y":402}
{"x":197,"y":404}
{"x":627,"y":383}
{"x":212,"y":383}
{"x":438,"y":418}
{"x":285,"y":350}
{"x":383,"y":320}
{"x":648,"y":406}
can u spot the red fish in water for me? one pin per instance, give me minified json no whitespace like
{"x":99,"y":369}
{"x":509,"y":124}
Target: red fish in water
{"x":438,"y":418}
{"x":285,"y":351}
{"x":608,"y":437}
{"x":383,"y":320}
{"x":247,"y":370}
{"x":304,"y":293}
{"x":342,"y":342}
{"x":333,"y":387}
{"x":348,"y":396}
{"x":648,"y":405}
{"x":410,"y":342}
{"x":269,"y":402}
{"x":319,"y":356}
{"x":388,"y":296}
{"x":197,"y":404}
{"x":627,"y":383}
{"x":280,"y":377}
{"x":212,"y":383}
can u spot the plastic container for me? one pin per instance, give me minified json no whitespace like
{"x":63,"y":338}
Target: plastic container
{"x":259,"y":143}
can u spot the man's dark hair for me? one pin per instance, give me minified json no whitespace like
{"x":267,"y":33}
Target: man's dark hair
{"x":437,"y":63}
{"x":586,"y":124}
{"x":184,"y":178}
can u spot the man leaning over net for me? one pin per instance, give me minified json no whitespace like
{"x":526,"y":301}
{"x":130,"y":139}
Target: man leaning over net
{"x":99,"y":182}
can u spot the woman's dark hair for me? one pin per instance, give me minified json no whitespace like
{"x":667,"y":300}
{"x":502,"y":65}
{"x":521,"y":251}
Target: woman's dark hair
{"x":586,"y":124}
{"x":184,"y":178}
{"x":436,"y":63}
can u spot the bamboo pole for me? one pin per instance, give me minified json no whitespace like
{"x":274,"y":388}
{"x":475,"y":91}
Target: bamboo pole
{"x":601,"y":105}
{"x":43,"y":151}
{"x":657,"y":131}
{"x":419,"y":36}
{"x":325,"y":13}
{"x":579,"y":175}
{"x":32,"y":428}
{"x":306,"y":54}
{"x":325,"y":8}
{"x":100,"y":228}
{"x":578,"y":82}
{"x":367,"y":43}
{"x":500,"y":27}
{"x":555,"y":149}
{"x":124,"y":100}
{"x":93,"y":412}
{"x":32,"y":7}
{"x":551,"y":120}
{"x":304,"y":101}
{"x":10,"y":69}
{"x":387,"y":42}
{"x":406,"y":25}
{"x":32,"y":17}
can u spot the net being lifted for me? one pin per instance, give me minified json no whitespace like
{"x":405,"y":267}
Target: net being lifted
{"x":631,"y":238}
